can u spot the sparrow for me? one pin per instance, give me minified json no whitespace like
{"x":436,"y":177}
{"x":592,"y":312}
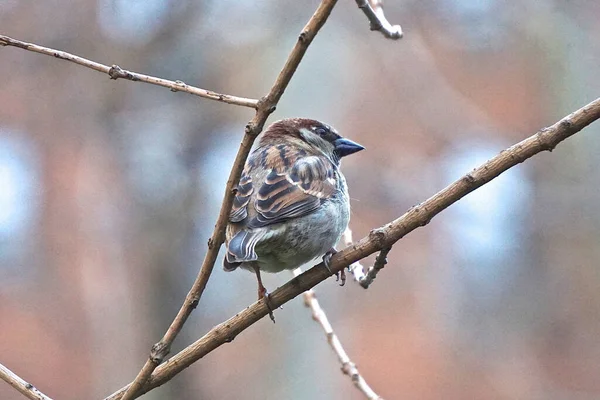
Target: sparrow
{"x":291,"y":205}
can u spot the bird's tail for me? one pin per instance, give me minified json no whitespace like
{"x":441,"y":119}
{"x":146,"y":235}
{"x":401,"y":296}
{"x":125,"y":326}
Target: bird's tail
{"x":230,"y":266}
{"x":241,"y":248}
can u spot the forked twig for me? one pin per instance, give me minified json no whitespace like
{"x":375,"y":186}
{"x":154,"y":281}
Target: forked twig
{"x":373,"y":9}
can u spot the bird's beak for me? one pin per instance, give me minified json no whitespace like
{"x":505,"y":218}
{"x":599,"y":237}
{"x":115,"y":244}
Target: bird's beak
{"x":344,"y":147}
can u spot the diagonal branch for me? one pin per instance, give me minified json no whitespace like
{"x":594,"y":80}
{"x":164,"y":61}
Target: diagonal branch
{"x":377,"y":240}
{"x":373,"y":9}
{"x":266,"y":106}
{"x":116,"y":72}
{"x":348,"y":367}
{"x":25,"y":388}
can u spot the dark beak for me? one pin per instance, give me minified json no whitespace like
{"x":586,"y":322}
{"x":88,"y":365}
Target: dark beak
{"x":344,"y":147}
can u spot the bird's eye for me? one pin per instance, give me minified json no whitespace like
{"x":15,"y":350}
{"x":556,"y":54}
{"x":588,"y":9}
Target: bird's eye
{"x":320,"y":131}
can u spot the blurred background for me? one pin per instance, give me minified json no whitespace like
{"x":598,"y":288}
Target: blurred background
{"x":109,"y":191}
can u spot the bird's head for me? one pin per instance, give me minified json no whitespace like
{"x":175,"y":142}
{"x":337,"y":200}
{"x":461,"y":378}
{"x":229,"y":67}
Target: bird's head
{"x":312,"y":136}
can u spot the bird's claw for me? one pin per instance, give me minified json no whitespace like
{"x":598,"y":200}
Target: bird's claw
{"x":341,"y":276}
{"x":263,"y":294}
{"x":267,"y":298}
{"x":327,"y":262}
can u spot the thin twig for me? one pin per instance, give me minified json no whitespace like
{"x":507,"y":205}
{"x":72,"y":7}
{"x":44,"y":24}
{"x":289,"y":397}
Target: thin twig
{"x":373,"y":9}
{"x":25,"y":388}
{"x":380,"y":262}
{"x":356,"y":268}
{"x":266,"y":106}
{"x":378,"y":239}
{"x":116,"y":72}
{"x":348,"y":367}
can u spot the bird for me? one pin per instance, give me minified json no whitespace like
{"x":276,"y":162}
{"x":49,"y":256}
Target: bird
{"x":291,"y":205}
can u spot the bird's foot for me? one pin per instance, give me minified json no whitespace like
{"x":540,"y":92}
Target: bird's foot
{"x":263,"y":294}
{"x":327,"y":259}
{"x":327,"y":262}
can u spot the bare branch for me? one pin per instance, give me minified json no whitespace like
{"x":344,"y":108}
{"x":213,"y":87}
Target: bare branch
{"x":116,"y":72}
{"x":25,"y":388}
{"x":373,"y":9}
{"x":266,"y":106}
{"x":377,"y":240}
{"x":348,"y":367}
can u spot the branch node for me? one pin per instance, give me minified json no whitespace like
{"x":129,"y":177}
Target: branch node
{"x":377,"y":236}
{"x":349,"y":368}
{"x":375,"y":25}
{"x":545,"y":142}
{"x":566,"y":124}
{"x":266,"y":103}
{"x":194,"y":301}
{"x":303,"y":36}
{"x":7,"y":41}
{"x":159,"y":351}
{"x":229,"y":339}
{"x":115,"y":72}
{"x":182,"y":84}
{"x":251,"y":129}
{"x":469,"y":178}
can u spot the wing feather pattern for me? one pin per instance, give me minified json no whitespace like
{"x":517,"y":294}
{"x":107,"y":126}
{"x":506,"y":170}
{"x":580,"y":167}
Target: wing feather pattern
{"x":295,"y":185}
{"x":295,"y":192}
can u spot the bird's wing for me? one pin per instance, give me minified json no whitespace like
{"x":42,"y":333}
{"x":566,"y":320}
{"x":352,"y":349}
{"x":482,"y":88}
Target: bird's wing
{"x":239,"y":210}
{"x":294,"y":192}
{"x":295,"y":185}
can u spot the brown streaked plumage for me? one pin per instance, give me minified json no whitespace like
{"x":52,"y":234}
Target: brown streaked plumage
{"x":291,"y":204}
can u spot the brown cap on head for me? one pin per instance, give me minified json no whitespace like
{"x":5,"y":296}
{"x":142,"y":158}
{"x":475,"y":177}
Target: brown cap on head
{"x":312,"y":132}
